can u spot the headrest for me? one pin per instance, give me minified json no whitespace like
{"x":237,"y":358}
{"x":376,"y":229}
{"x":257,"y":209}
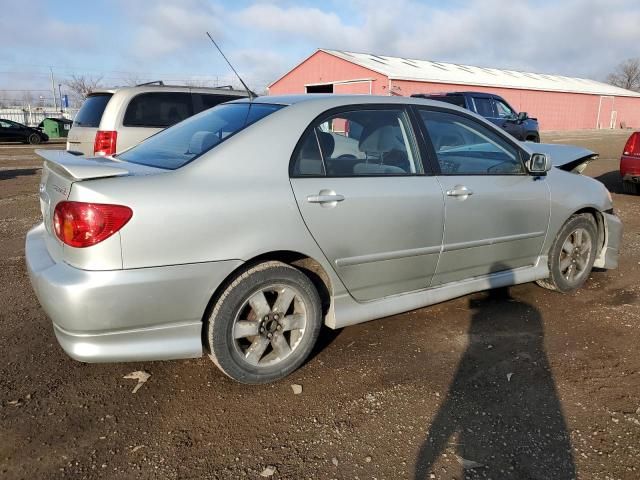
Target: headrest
{"x":327,"y":143}
{"x":202,"y":141}
{"x":382,"y":139}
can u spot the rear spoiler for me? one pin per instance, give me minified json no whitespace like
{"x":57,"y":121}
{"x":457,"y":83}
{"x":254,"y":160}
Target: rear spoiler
{"x":81,"y":168}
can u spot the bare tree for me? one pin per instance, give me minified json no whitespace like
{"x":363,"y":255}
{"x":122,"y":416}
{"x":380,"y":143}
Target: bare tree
{"x":82,"y":85}
{"x":132,"y":79}
{"x":626,"y":75}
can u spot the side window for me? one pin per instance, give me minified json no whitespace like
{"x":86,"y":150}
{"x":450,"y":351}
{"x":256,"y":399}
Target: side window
{"x":4,"y":124}
{"x":203,"y":101}
{"x":484,"y":107}
{"x":358,"y":143}
{"x":466,"y":147}
{"x":504,"y":110}
{"x":158,"y":109}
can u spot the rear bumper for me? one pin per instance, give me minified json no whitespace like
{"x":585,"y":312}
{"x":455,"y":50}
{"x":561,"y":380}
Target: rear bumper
{"x":124,"y":315}
{"x":630,"y":169}
{"x":608,"y":257}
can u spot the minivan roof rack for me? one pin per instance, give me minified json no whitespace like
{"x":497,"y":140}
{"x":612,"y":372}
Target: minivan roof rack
{"x":159,"y":82}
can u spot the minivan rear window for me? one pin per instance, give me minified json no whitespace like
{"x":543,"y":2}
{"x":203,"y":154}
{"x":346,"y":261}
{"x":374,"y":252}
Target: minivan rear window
{"x":178,"y":145}
{"x":158,"y":109}
{"x":91,"y":111}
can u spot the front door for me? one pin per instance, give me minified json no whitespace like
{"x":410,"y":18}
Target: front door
{"x":360,"y":185}
{"x":507,"y":118}
{"x":496,"y":213}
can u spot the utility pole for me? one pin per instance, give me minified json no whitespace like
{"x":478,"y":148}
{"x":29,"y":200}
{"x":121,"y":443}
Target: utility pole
{"x":53,"y":90}
{"x":60,"y":91}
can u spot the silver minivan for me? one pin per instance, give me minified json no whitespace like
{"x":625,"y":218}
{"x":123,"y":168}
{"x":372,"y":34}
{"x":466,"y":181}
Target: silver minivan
{"x":113,"y":120}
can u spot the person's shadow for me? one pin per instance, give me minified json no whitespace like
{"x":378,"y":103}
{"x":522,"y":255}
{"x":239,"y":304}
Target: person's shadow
{"x":501,"y":416}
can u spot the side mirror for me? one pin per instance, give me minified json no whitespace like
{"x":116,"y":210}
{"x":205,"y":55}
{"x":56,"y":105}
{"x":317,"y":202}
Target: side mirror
{"x":538,"y":164}
{"x":522,"y":116}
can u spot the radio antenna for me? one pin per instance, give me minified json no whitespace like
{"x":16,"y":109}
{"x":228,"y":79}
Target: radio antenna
{"x":249,"y":92}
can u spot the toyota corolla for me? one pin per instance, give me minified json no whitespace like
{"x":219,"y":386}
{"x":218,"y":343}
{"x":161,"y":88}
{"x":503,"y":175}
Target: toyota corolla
{"x":239,"y":232}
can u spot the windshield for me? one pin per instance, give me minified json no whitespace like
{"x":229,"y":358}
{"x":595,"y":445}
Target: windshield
{"x":91,"y":111}
{"x":174,"y":147}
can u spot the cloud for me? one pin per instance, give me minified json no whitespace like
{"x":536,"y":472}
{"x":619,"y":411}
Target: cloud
{"x":164,"y":28}
{"x":574,"y":37}
{"x":165,"y":39}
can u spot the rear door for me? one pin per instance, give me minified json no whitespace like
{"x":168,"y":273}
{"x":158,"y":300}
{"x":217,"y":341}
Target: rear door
{"x":496,"y":213}
{"x":205,"y":101}
{"x":360,"y":185}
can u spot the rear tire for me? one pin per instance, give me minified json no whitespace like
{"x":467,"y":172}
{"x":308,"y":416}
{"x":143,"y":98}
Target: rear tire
{"x":631,"y":188}
{"x":265,"y":323}
{"x":34,"y":139}
{"x":572,"y":254}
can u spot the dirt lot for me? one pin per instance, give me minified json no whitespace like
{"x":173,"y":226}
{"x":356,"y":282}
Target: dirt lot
{"x":528,"y":385}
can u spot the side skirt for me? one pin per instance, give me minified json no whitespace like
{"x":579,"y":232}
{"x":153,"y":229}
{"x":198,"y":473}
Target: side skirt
{"x":346,"y":311}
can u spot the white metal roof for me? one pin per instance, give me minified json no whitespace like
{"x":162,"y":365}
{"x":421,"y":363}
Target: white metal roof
{"x":398,"y":68}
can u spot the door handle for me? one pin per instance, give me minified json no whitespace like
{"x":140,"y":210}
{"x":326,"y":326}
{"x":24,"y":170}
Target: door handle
{"x":325,"y":198}
{"x":459,"y":191}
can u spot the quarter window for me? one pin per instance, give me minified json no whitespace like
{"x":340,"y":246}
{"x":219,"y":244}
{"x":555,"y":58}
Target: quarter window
{"x":158,"y":109}
{"x":358,"y":143}
{"x":465,"y":147}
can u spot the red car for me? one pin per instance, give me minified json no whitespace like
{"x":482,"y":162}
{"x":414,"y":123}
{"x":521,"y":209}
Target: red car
{"x":630,"y":165}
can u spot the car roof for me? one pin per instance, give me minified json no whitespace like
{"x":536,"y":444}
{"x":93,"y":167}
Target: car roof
{"x":170,"y":88}
{"x":330,"y":100}
{"x":449,"y":94}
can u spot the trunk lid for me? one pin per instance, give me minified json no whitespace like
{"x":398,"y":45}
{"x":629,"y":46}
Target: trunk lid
{"x":62,"y":169}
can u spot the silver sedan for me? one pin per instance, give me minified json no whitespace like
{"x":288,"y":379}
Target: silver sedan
{"x":241,"y":231}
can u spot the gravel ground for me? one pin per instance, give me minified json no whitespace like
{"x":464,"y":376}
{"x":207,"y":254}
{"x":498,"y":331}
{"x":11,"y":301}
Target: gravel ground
{"x":524,"y":384}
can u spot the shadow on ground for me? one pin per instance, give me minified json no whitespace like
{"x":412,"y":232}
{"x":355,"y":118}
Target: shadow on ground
{"x":502,"y":415}
{"x":611,"y":180}
{"x":17,"y":172}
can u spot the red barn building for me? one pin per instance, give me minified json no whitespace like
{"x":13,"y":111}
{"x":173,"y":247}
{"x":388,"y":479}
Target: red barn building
{"x":559,"y":103}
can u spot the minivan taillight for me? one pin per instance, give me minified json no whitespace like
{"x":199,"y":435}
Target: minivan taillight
{"x":105,"y":142}
{"x":80,"y":224}
{"x":632,"y":148}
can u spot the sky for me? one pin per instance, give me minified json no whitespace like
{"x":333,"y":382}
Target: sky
{"x":125,"y":40}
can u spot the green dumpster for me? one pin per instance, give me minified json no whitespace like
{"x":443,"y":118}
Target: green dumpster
{"x":55,"y":127}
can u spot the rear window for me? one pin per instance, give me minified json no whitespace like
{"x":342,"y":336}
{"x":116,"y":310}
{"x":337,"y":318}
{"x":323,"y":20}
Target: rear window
{"x":178,"y":145}
{"x":91,"y":111}
{"x":158,"y":109}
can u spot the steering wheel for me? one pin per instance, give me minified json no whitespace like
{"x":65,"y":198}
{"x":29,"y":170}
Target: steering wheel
{"x":494,"y":168}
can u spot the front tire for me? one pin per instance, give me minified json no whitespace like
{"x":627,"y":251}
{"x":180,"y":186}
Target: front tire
{"x":265,"y":323}
{"x":34,"y":139}
{"x":572,"y":254}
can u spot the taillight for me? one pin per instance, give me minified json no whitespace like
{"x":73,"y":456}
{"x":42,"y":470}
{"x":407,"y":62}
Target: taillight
{"x":632,"y":148}
{"x":105,"y":142}
{"x":80,"y":224}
